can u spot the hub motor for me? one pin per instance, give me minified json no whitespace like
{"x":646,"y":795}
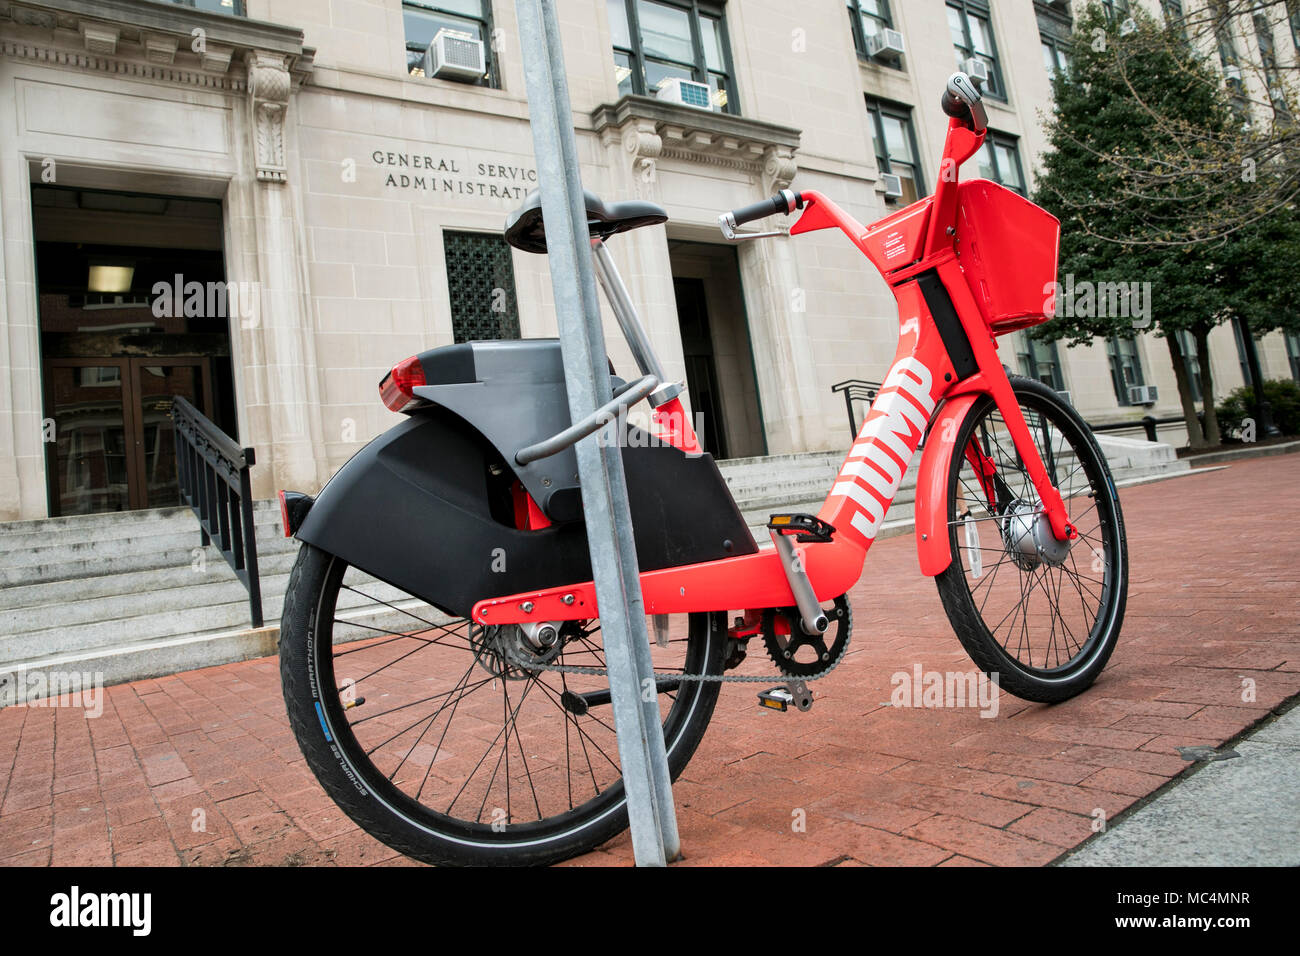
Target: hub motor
{"x":504,"y":650}
{"x":1027,"y":536}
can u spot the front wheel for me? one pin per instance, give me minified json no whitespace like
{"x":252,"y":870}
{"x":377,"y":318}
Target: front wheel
{"x":436,"y":737}
{"x":1040,"y":615}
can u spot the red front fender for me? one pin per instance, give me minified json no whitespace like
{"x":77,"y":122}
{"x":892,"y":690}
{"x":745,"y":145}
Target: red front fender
{"x":932,"y":541}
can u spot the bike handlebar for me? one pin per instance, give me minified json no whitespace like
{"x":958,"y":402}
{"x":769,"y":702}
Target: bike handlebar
{"x":962,"y":100}
{"x":783,"y":202}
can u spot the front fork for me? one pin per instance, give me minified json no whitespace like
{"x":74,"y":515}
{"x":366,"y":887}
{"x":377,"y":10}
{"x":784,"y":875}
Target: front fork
{"x":992,"y":378}
{"x":1053,"y":505}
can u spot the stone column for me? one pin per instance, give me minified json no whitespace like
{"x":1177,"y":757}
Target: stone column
{"x":22,"y":447}
{"x":281,"y":393}
{"x":778,"y":328}
{"x":642,"y":254}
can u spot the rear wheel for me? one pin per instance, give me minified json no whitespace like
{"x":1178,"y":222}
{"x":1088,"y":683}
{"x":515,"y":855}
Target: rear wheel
{"x":435,"y":736}
{"x":1041,"y":615}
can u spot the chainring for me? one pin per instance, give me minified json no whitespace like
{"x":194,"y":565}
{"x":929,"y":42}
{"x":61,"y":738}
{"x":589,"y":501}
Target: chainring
{"x":803,"y":655}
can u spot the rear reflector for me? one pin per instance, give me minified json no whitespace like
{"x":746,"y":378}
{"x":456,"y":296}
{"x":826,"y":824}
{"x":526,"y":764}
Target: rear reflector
{"x":397,"y":390}
{"x":294,"y":506}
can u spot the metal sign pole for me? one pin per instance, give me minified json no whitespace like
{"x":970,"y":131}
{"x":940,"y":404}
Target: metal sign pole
{"x":600,"y":464}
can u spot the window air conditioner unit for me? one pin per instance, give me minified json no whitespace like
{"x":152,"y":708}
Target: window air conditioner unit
{"x":976,"y":69}
{"x":687,"y":92}
{"x":887,"y":44}
{"x":1127,"y":27}
{"x":1232,"y":71}
{"x":1142,"y":394}
{"x":454,"y":56}
{"x":893,"y":185}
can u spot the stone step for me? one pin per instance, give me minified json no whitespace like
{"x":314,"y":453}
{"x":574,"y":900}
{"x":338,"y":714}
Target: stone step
{"x":136,"y":582}
{"x":12,"y":543}
{"x":155,"y":657}
{"x":117,"y":524}
{"x":74,"y":608}
{"x":92,"y":558}
{"x":169,"y":613}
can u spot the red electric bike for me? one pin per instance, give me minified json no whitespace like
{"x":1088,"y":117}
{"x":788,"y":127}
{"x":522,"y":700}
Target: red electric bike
{"x":441,"y":653}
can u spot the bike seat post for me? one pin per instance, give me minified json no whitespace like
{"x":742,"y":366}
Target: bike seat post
{"x":812,"y":619}
{"x":630,"y":322}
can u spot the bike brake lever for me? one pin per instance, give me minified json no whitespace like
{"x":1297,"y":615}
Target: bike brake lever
{"x":727,"y":223}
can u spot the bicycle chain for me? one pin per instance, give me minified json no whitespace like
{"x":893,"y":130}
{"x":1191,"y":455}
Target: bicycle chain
{"x":722,"y":678}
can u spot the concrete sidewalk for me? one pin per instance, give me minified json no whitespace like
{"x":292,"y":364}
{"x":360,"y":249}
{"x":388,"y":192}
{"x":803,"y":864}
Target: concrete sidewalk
{"x":1211,"y":646}
{"x":1239,"y":811}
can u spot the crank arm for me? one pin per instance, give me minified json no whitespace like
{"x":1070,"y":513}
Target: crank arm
{"x":580,"y":703}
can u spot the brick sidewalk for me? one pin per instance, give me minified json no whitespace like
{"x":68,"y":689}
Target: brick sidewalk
{"x":1213,"y":601}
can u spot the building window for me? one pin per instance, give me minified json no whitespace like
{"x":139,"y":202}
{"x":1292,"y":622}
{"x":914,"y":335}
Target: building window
{"x":423,"y":20}
{"x":999,"y":160}
{"x":1264,"y":37}
{"x":657,"y":40}
{"x":234,"y":8}
{"x":1055,"y":57}
{"x":1039,"y":360}
{"x":1116,"y":10}
{"x":1125,"y":366}
{"x":1294,"y":17}
{"x":1173,"y":11}
{"x":1293,"y":354}
{"x":1191,"y":362}
{"x":1229,"y":57}
{"x":1054,"y":28}
{"x":972,"y":36}
{"x":867,"y":18}
{"x":481,"y":283}
{"x":1243,"y":360}
{"x":896,"y":150}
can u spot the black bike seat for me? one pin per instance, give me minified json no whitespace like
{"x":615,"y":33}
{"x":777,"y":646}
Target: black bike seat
{"x":525,"y":229}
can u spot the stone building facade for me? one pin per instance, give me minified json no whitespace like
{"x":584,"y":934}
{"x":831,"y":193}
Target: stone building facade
{"x":293,"y":155}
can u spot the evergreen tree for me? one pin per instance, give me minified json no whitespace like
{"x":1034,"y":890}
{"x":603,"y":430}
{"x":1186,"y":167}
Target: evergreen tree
{"x":1136,"y":171}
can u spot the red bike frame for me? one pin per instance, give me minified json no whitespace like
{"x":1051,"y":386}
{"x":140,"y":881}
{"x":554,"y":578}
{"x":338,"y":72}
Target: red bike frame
{"x":917,"y":251}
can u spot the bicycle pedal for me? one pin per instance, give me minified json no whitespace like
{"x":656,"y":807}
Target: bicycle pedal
{"x":807,"y":529}
{"x":780,"y":698}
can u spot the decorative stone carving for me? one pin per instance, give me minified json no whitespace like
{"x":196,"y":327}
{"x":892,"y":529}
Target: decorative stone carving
{"x":159,"y":48}
{"x":644,"y":144}
{"x":99,"y":37}
{"x":268,"y":89}
{"x":651,"y":130}
{"x":216,"y":57}
{"x":779,"y":167}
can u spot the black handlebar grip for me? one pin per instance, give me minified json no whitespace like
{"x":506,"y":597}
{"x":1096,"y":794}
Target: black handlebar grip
{"x":761,"y":210}
{"x":956,"y":108}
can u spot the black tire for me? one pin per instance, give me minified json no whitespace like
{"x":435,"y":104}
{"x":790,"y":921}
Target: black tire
{"x":389,"y":806}
{"x":1045,"y":608}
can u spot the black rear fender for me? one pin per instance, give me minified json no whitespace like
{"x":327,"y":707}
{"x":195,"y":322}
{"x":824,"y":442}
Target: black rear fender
{"x":426,"y":507}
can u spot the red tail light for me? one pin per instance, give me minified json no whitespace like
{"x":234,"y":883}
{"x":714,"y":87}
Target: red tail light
{"x":398,"y":387}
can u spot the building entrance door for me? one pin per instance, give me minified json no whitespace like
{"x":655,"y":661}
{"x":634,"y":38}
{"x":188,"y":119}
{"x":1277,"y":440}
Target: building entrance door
{"x":134,"y":310}
{"x":113,"y":447}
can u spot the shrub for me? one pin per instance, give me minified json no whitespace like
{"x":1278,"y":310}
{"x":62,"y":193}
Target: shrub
{"x":1282,"y":394}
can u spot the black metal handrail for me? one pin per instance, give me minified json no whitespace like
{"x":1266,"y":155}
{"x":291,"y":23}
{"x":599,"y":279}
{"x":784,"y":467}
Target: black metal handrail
{"x":212,"y":471}
{"x":856,"y":390}
{"x":1147,"y":423}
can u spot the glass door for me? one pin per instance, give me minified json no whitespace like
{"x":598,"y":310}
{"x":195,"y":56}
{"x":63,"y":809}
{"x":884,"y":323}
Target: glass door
{"x":154,"y":382}
{"x":114,"y":447}
{"x":88,"y":469}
